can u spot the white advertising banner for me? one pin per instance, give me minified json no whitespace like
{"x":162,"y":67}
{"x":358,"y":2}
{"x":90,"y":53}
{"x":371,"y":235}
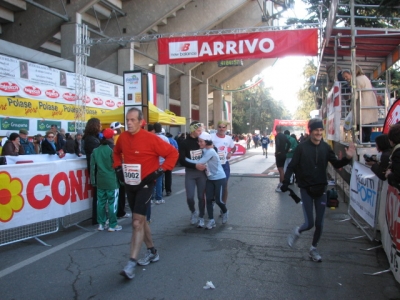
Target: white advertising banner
{"x":30,"y":80}
{"x":363,"y":192}
{"x":333,"y":107}
{"x":389,"y":222}
{"x":35,"y":192}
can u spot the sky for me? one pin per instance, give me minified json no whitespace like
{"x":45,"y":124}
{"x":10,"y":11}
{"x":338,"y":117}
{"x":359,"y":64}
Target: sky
{"x":285,"y":76}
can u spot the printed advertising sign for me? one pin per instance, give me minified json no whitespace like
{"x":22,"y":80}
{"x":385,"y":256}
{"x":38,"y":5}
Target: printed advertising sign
{"x":333,"y":107}
{"x":43,"y":191}
{"x":133,"y":88}
{"x":13,"y":124}
{"x":364,"y":192}
{"x":392,"y":117}
{"x":268,"y":44}
{"x":390,"y":229}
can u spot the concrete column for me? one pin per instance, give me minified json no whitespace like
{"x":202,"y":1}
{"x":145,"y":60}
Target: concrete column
{"x":68,"y":33}
{"x":186,"y":99}
{"x":126,"y":58}
{"x":217,"y":106}
{"x":163,"y":100}
{"x":228,"y":97}
{"x":203,"y":107}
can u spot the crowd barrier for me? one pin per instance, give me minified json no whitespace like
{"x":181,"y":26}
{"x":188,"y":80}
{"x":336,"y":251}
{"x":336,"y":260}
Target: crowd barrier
{"x":374,"y":206}
{"x":40,"y":193}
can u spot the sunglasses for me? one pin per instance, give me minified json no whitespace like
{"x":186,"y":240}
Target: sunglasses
{"x":195,"y":126}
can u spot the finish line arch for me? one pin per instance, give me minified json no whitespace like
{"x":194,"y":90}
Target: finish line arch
{"x":277,"y":122}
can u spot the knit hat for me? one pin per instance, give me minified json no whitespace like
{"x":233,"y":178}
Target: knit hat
{"x":108,"y":133}
{"x":79,"y":131}
{"x":23,"y":131}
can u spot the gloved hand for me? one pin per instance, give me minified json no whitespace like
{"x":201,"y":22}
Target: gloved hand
{"x":120,"y":174}
{"x":152,"y":177}
{"x":284,"y":187}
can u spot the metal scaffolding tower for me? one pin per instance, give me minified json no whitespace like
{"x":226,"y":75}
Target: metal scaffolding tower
{"x":81,"y":51}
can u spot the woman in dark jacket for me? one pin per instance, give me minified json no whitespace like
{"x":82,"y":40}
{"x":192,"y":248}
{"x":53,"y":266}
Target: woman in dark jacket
{"x":380,"y":165}
{"x":92,"y":141}
{"x":12,"y":146}
{"x":48,"y":144}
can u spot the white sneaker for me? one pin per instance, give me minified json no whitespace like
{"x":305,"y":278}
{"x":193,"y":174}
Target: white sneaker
{"x":101,"y":227}
{"x":200,"y":223}
{"x":293,"y":237}
{"x":116,"y":228}
{"x":278,"y":188}
{"x":193,"y":218}
{"x":211,"y":224}
{"x":225,"y":217}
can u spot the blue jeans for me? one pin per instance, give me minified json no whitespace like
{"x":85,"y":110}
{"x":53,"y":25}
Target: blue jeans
{"x":158,"y":188}
{"x":319,"y":204}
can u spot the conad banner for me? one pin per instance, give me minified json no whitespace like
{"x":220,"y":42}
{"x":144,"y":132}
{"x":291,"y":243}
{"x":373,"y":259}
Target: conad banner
{"x":268,"y":44}
{"x":390,"y":229}
{"x":393,"y":116}
{"x":35,"y":192}
{"x":333,"y":109}
{"x":364,"y":192}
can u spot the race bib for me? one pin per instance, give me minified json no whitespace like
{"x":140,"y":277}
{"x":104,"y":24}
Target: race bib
{"x":196,"y":154}
{"x":222,"y":157}
{"x":132,"y":173}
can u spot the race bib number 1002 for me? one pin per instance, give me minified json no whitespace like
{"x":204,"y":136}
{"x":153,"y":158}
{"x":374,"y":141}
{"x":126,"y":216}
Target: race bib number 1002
{"x":132,"y":173}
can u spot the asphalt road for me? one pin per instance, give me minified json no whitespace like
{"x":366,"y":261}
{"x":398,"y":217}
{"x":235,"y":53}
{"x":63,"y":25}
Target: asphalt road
{"x":247,"y":258}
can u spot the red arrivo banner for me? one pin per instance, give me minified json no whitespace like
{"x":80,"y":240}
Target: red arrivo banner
{"x":288,"y":123}
{"x":269,"y":44}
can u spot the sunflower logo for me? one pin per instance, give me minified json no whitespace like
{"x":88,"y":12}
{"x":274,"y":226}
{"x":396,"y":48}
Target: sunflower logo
{"x":11,"y":199}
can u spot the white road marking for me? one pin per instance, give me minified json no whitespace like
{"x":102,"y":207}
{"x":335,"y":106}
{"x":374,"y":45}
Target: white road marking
{"x":37,"y":257}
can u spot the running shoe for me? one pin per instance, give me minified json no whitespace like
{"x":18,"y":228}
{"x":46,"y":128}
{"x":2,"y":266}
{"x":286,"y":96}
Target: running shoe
{"x":211,"y":224}
{"x":278,"y":188}
{"x":293,"y":237}
{"x":116,"y":228}
{"x":200,"y":223}
{"x":148,"y":258}
{"x":129,"y":270}
{"x":193,"y":218}
{"x":225,"y":217}
{"x":314,"y":255}
{"x":101,"y":227}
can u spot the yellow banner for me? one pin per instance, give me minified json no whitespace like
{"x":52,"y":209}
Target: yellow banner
{"x":39,"y":109}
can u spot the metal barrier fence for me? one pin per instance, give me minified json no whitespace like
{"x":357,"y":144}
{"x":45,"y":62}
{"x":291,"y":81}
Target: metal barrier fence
{"x":35,"y":230}
{"x":75,"y":219}
{"x":25,"y":232}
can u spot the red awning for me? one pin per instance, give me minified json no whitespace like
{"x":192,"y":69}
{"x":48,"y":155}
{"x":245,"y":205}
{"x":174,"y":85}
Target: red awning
{"x":376,"y":49}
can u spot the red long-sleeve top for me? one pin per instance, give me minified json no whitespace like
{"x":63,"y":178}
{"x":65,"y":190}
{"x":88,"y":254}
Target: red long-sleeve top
{"x":144,"y":148}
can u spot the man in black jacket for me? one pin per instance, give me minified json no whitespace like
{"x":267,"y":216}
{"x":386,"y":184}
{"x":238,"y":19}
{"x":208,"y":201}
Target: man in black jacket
{"x":194,"y":173}
{"x":309,"y":162}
